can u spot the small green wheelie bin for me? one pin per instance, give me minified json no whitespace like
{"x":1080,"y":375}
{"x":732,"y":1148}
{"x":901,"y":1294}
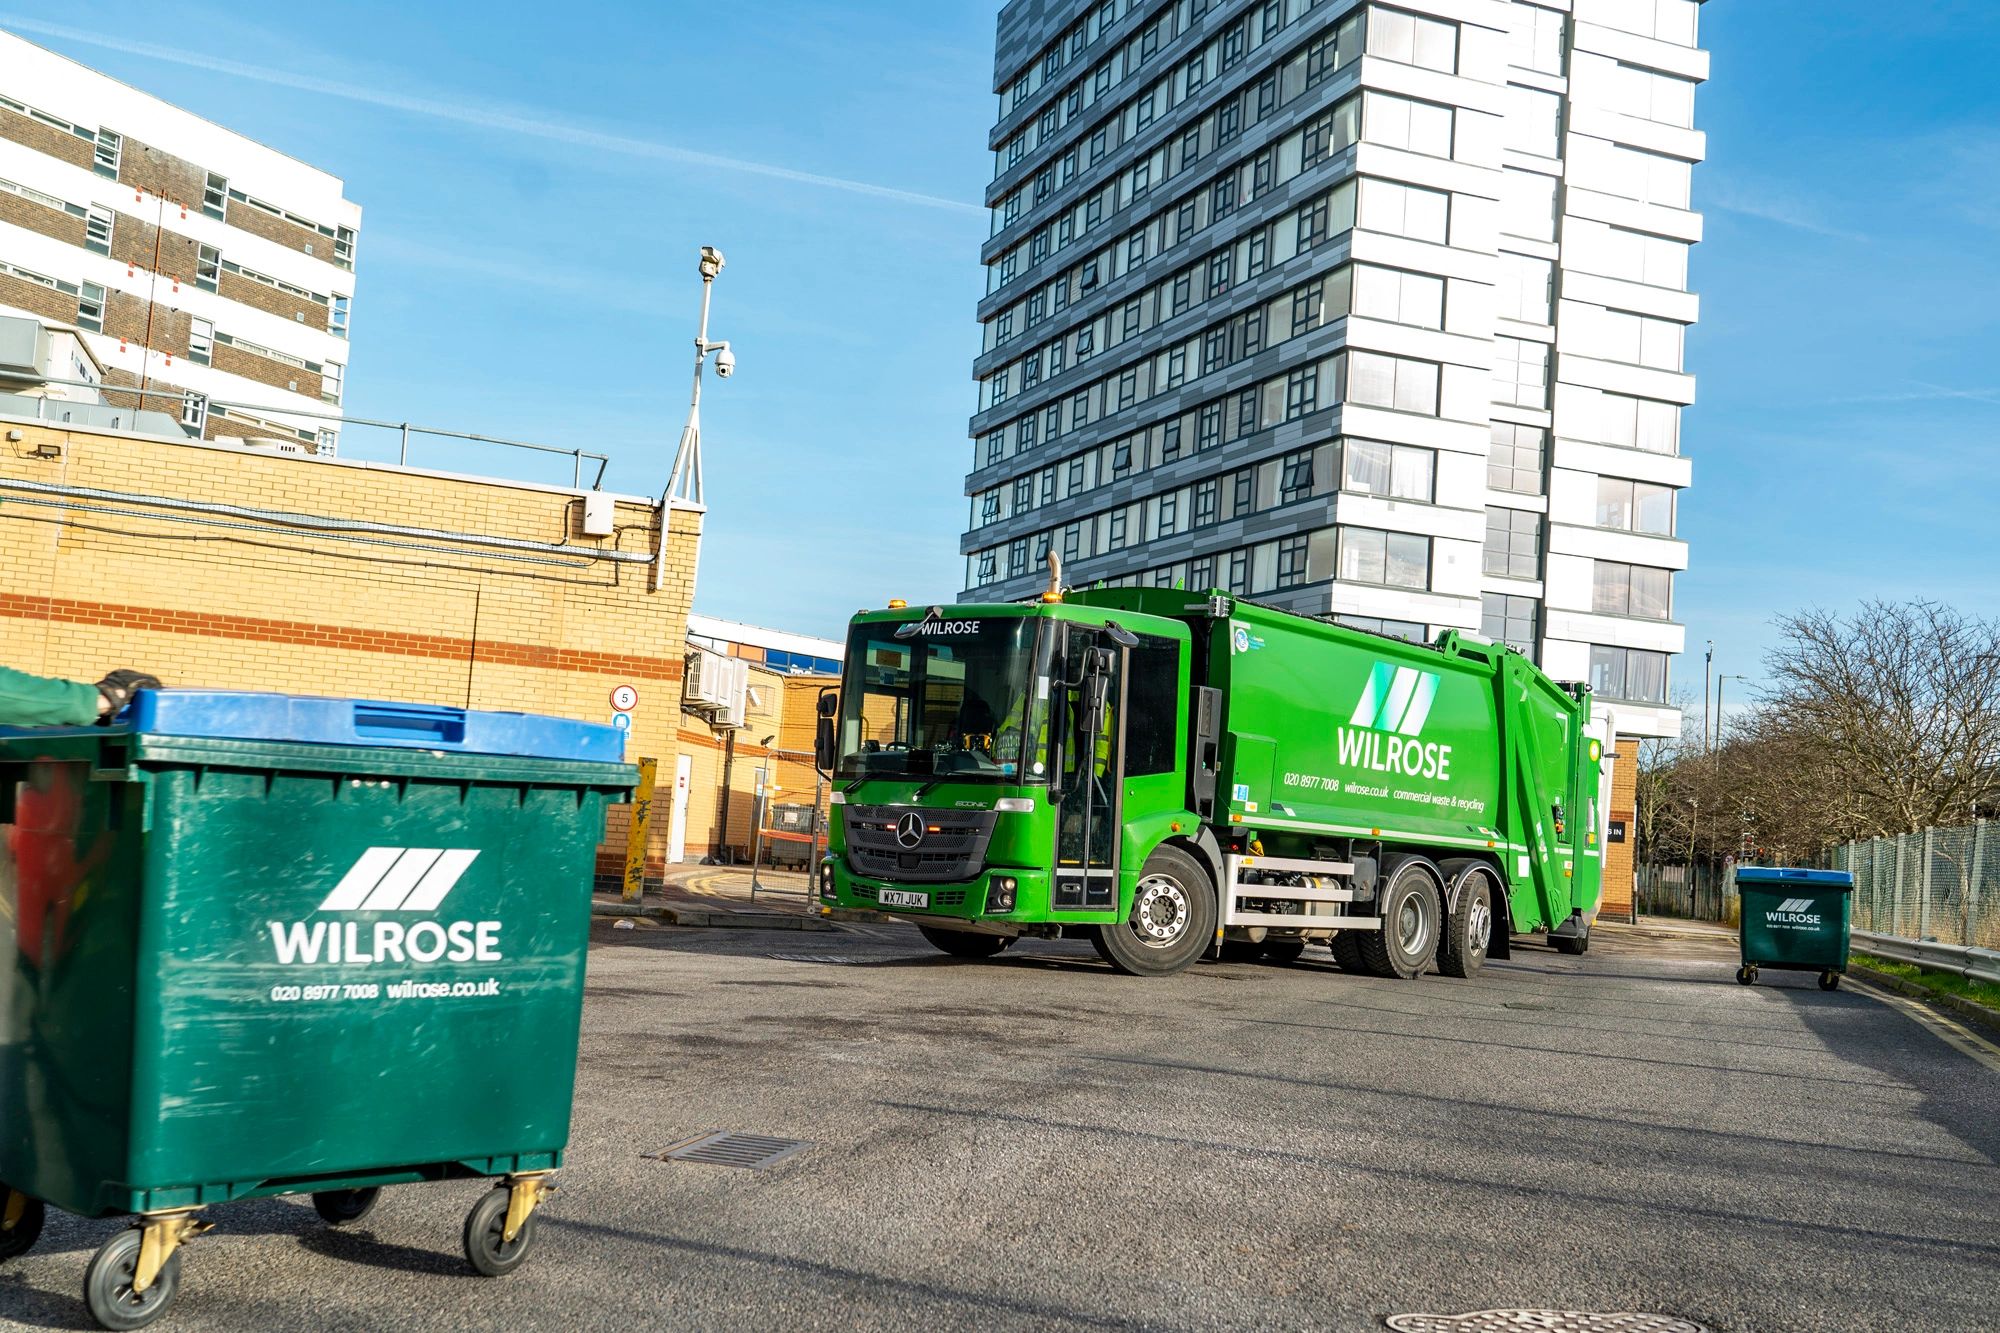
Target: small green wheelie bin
{"x":1794,"y":920}
{"x":257,"y":944}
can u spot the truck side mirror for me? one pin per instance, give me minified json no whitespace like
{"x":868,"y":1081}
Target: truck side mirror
{"x":829,"y":703}
{"x":825,"y":753}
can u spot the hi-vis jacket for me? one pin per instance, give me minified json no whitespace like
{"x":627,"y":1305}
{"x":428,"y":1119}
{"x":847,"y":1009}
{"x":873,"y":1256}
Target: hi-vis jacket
{"x":40,"y":701}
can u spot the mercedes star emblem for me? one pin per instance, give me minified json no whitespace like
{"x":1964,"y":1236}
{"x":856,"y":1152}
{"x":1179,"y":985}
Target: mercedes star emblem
{"x":910,"y":829}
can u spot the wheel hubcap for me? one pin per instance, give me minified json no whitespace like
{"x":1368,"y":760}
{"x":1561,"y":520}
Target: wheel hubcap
{"x":1160,"y":913}
{"x":1413,"y":927}
{"x":1479,"y":924}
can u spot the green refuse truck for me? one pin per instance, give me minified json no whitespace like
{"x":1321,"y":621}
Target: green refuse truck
{"x":1173,"y":774}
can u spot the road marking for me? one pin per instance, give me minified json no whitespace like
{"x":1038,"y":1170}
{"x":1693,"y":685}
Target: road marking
{"x":1948,"y":1030}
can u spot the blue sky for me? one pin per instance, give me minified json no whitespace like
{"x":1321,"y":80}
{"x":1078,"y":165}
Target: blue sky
{"x":536,"y":184}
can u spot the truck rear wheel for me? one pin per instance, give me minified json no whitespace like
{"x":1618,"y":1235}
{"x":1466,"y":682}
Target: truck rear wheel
{"x":1346,"y":947}
{"x":1409,"y":906}
{"x":964,"y":943}
{"x":1172,"y":921}
{"x":1468,"y":928}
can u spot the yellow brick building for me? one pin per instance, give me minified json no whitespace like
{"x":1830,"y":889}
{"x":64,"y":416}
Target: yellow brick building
{"x":220,"y":566}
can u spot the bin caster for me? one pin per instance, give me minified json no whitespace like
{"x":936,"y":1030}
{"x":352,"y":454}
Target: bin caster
{"x":20,"y":1223}
{"x":500,"y":1229}
{"x":1829,"y":980}
{"x":1746,"y":976}
{"x":344,"y":1207}
{"x":135,"y":1276}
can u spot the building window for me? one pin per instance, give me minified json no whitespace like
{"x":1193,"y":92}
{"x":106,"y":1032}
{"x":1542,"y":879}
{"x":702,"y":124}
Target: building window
{"x":1024,"y":494}
{"x":1631,"y":674}
{"x":1397,"y":122}
{"x":1295,"y":476}
{"x":201,"y":341}
{"x":1410,"y":40}
{"x":1396,"y":471}
{"x":1405,"y":210}
{"x":337,"y":317}
{"x":1638,"y":339}
{"x":97,"y":230}
{"x":1239,"y":572}
{"x":1535,"y":38}
{"x":1533,"y":122}
{"x":194,"y":411}
{"x":110,"y":148}
{"x":996,"y":447}
{"x":1048,"y":485}
{"x":1301,"y":393}
{"x":1663,"y":20}
{"x":208,"y":268}
{"x":1374,"y":380}
{"x":1514,"y":458}
{"x":1635,"y":506}
{"x":90,"y":308}
{"x":987,"y":562}
{"x":329,"y":382}
{"x":1399,"y":297}
{"x":989,"y":508}
{"x":1513,"y":543}
{"x":1528,"y":204}
{"x":215,"y":196}
{"x":1630,"y":590}
{"x":1640,"y":423}
{"x":1292,"y":562}
{"x":1207,"y":502}
{"x":1168,"y":507}
{"x":1525,"y":289}
{"x":1521,"y":372}
{"x":1017,"y":558}
{"x":1392,"y":559}
{"x":1505,"y":618}
{"x":1408,"y":630}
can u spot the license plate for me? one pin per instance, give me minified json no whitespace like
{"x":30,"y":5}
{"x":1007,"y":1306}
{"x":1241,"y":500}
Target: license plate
{"x":902,"y":898}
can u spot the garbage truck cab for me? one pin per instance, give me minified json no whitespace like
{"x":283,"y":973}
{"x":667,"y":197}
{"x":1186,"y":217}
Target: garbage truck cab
{"x":1168,"y":773}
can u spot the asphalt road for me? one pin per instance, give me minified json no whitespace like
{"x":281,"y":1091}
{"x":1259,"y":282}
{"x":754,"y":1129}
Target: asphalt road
{"x":1035,"y":1142}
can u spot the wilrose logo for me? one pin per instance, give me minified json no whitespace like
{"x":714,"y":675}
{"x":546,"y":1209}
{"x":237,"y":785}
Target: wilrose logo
{"x":1393,"y":708}
{"x":391,"y":879}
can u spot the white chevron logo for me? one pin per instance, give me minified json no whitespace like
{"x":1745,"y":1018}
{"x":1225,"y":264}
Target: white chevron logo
{"x":399,"y":879}
{"x":1794,"y":905}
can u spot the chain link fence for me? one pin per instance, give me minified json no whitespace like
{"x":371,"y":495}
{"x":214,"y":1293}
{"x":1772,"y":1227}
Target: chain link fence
{"x":1942,"y":884}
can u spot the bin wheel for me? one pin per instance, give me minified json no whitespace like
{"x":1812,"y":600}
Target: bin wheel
{"x":1283,"y":951}
{"x":107,"y":1284}
{"x":1746,"y":976}
{"x":485,"y":1229}
{"x":1829,"y":980}
{"x":18,"y":1239}
{"x":343,"y":1207}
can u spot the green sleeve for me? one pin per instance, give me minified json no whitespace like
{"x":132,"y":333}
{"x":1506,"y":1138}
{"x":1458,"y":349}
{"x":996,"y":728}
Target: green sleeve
{"x":40,"y":701}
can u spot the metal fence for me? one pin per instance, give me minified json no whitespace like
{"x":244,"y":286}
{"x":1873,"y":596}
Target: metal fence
{"x":1692,"y":892}
{"x":1942,"y":884}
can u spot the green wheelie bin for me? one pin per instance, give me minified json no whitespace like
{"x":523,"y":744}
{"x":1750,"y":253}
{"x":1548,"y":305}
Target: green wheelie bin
{"x":1794,"y":920}
{"x":259,"y":944}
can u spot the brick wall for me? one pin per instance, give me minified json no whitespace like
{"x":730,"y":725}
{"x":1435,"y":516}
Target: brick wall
{"x":282,"y":230}
{"x":46,"y":138}
{"x":158,"y":172}
{"x":133,"y":240}
{"x":126,"y":317}
{"x":65,"y":227}
{"x":284,"y":305}
{"x":98,"y":584}
{"x":1616,"y":902}
{"x":32,"y":296}
{"x":277,"y":374}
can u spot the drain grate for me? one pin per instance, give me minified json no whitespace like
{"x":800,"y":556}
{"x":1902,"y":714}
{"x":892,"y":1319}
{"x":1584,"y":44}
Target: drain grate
{"x":1541,"y":1321}
{"x":838,"y":959}
{"x":748,"y":1152}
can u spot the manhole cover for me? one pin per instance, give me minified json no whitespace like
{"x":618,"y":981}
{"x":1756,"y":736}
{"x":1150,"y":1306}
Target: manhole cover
{"x":1541,"y":1321}
{"x":749,"y":1152}
{"x":835,"y":958}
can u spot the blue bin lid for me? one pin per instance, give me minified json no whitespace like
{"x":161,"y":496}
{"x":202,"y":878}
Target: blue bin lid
{"x":1795,"y":878}
{"x":226,"y":715}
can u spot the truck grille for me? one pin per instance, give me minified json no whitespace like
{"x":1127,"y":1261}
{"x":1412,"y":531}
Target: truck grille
{"x":953,"y":847}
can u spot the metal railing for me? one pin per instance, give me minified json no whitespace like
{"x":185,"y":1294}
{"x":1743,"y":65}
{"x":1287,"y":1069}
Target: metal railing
{"x":403,"y":429}
{"x":1941,"y":885}
{"x":1966,"y":961}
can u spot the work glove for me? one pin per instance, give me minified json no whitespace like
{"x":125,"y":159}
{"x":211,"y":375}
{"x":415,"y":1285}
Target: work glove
{"x":118,"y":688}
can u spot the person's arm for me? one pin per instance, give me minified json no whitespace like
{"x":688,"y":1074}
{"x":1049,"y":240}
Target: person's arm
{"x":42,"y":701}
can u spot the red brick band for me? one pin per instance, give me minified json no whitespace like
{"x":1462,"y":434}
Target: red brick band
{"x":350,"y":638}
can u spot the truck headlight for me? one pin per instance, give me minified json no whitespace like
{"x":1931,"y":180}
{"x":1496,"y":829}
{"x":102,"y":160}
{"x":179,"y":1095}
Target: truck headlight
{"x":1000,"y":893}
{"x":826,"y":889}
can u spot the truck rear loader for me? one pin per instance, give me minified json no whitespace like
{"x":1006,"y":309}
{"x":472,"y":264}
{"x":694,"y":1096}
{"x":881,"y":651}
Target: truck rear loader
{"x":1171,"y":774}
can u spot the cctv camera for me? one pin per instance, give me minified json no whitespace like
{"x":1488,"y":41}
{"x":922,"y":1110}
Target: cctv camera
{"x":725,"y":363}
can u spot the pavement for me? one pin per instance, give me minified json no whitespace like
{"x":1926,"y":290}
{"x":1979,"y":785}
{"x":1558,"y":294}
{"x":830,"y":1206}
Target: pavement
{"x":1035,"y":1142}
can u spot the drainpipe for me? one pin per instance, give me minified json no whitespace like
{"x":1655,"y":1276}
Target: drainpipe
{"x":721,"y":854}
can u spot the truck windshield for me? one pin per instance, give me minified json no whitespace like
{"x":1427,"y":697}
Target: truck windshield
{"x":950,"y":699}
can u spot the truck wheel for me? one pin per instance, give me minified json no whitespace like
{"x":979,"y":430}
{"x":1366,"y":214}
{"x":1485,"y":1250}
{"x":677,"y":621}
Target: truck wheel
{"x":1468,"y":931}
{"x":1172,"y":921}
{"x":1346,"y":948}
{"x":964,"y":943}
{"x":1283,"y":951}
{"x":1410,"y":910}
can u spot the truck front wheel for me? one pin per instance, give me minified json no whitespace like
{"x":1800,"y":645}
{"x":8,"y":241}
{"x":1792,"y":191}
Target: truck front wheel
{"x":1172,"y":920}
{"x":1410,"y":909}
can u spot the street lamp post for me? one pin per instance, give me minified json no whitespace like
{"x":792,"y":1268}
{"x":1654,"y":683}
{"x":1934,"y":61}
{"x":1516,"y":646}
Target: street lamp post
{"x":684,"y":482}
{"x":1719,"y":681}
